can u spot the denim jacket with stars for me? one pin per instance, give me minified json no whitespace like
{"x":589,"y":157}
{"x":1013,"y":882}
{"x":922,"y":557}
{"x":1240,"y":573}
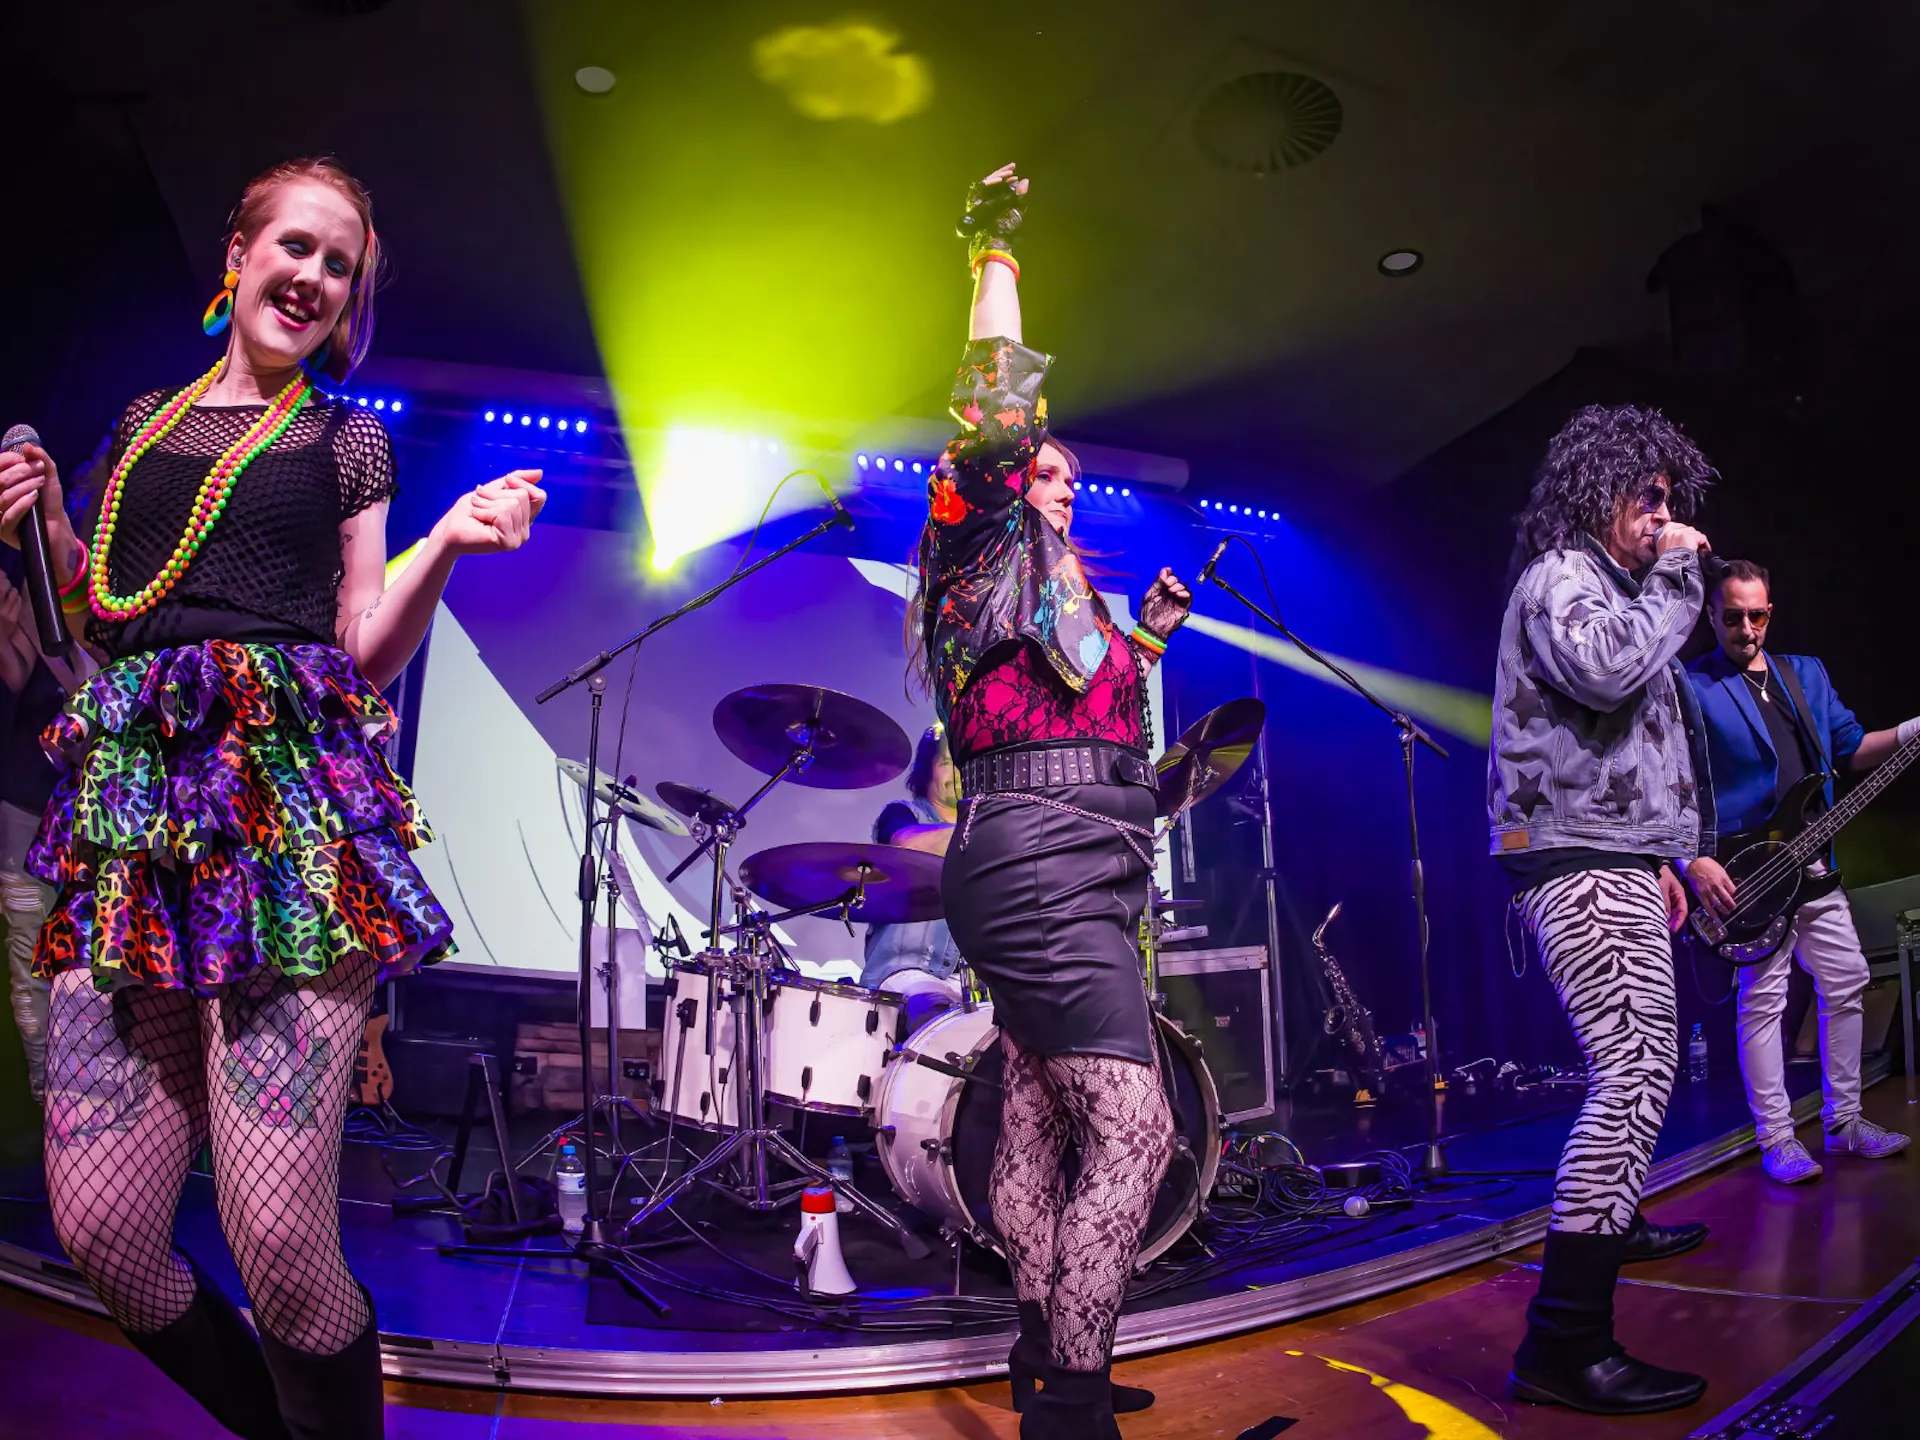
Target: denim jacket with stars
{"x":1597,"y":740}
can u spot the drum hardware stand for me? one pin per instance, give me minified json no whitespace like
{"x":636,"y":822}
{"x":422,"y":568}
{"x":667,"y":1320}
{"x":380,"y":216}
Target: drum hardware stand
{"x":756,"y":1142}
{"x":593,"y":1244}
{"x":1433,"y":1164}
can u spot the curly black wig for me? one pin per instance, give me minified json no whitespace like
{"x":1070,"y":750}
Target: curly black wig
{"x":1600,"y":456}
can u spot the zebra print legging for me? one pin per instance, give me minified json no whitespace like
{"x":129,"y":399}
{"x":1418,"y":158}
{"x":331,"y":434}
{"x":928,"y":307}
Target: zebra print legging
{"x":1604,"y":941}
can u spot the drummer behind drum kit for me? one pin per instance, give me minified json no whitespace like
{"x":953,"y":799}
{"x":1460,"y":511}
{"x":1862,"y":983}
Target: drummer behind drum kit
{"x":745,"y":1028}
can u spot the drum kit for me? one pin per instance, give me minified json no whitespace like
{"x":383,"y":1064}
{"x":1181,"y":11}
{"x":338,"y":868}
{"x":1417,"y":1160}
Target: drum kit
{"x":745,"y":1029}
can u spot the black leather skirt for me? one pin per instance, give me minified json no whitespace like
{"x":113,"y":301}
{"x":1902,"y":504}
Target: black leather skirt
{"x":1045,"y":906}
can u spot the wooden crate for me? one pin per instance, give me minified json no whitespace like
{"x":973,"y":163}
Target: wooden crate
{"x":546,"y":1066}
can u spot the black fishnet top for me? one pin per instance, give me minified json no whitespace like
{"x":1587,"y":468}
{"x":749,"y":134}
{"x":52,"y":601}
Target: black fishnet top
{"x":270,"y":569}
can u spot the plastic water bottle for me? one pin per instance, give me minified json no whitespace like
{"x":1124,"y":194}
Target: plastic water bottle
{"x":1697,"y":1053}
{"x":840,"y":1166}
{"x":570,"y":1179}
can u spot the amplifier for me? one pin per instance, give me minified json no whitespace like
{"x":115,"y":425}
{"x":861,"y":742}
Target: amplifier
{"x":1223,"y":999}
{"x":1880,"y":1007}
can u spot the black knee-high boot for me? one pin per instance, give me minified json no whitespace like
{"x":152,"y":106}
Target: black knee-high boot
{"x":1569,"y":1356}
{"x":331,"y":1397}
{"x":1032,"y":1357}
{"x":212,"y":1353}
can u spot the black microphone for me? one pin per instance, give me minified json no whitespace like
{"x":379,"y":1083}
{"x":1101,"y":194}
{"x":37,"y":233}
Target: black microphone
{"x":1206,"y":570}
{"x":1712,"y":568}
{"x":42,"y":593}
{"x":839,"y":510}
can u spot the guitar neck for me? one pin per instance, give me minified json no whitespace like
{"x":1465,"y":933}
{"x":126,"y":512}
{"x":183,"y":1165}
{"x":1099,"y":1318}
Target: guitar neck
{"x":1817,"y":836}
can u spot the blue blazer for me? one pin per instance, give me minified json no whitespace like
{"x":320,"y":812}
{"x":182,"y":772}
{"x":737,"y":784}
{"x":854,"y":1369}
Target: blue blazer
{"x":1745,"y":769}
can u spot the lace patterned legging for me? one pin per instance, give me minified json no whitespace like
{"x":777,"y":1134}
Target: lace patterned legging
{"x":1073,"y":1248}
{"x":138,"y":1079}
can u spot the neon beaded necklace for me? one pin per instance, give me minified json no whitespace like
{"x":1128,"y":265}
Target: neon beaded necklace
{"x":208,"y":503}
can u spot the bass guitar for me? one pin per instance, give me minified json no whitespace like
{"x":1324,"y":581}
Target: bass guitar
{"x":372,"y":1076}
{"x":1780,"y":866}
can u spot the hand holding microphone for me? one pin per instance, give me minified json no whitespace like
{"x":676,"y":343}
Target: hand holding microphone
{"x":29,"y":493}
{"x":1675,"y":536}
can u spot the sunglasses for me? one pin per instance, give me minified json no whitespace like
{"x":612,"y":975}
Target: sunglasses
{"x":1654,"y":496}
{"x":1756,"y":618}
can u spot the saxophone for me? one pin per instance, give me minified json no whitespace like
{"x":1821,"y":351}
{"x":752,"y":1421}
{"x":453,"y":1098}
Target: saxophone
{"x":1348,"y":1020}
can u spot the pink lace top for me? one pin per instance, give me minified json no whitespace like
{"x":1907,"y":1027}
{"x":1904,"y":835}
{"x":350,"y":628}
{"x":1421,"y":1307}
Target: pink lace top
{"x":1017,"y":698}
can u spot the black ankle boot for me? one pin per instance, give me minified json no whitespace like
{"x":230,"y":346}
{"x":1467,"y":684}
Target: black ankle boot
{"x":1032,"y":1356}
{"x":212,"y":1353}
{"x":1570,"y":1357}
{"x":1075,"y":1405}
{"x":331,"y":1397}
{"x":1648,"y":1241}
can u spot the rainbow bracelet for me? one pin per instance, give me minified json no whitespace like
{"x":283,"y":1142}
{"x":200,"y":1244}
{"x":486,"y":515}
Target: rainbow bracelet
{"x":1001,"y":256}
{"x":73,"y":594}
{"x":1148,"y":641}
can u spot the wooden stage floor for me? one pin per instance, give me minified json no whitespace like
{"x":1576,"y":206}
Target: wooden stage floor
{"x":1783,"y":1267}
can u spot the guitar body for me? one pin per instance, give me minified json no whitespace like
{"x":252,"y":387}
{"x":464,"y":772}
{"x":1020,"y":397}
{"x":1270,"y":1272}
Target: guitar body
{"x":1770,"y":885}
{"x":372,"y":1076}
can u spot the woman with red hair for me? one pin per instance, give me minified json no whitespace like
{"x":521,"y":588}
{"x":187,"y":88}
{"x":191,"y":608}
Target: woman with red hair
{"x":228,"y":842}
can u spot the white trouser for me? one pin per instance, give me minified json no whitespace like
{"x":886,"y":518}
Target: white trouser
{"x":1829,"y":951}
{"x":23,"y":905}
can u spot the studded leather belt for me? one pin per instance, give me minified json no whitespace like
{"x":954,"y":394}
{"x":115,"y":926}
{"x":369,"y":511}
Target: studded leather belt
{"x":1050,"y":767}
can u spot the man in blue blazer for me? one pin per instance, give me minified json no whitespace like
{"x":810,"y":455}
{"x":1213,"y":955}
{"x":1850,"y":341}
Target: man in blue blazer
{"x":1771,"y":721}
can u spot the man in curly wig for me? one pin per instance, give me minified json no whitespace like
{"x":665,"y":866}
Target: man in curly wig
{"x":1592,"y":796}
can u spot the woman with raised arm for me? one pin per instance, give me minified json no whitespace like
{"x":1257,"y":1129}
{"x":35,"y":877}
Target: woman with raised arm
{"x":228,"y":843}
{"x":1044,"y":702}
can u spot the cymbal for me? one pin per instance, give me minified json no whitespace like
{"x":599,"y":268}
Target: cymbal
{"x":1200,"y":761}
{"x":854,"y":744}
{"x":629,"y":802}
{"x":693,"y":802}
{"x":1169,"y":903}
{"x":901,"y":884}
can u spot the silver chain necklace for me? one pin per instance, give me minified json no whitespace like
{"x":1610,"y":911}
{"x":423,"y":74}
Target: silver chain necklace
{"x":1760,"y":684}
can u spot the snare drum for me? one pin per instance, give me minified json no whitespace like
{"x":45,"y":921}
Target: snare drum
{"x":827,"y":1043}
{"x":936,"y":1131}
{"x":696,"y":1085}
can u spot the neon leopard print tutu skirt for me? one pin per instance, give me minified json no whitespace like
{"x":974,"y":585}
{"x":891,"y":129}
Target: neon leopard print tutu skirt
{"x":226,"y":807}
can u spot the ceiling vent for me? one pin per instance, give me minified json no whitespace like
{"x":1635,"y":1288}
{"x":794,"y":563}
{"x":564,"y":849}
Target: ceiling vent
{"x":1274,"y":120}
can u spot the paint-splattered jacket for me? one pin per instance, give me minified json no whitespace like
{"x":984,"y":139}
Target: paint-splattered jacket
{"x":999,"y":571}
{"x":1597,"y":739}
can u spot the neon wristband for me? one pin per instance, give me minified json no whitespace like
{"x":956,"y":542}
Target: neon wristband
{"x":1000,"y":256}
{"x":1148,"y":641}
{"x":76,"y":587}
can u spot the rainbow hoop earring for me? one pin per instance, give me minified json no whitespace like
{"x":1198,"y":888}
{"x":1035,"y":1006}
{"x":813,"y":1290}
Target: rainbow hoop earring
{"x":220,"y":310}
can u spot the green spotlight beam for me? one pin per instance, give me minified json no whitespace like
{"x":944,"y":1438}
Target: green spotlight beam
{"x":1446,"y":707}
{"x":762,"y":220}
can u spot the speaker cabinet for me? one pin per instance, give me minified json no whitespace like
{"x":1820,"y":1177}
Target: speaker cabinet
{"x":1880,"y":1007}
{"x":1224,"y":999}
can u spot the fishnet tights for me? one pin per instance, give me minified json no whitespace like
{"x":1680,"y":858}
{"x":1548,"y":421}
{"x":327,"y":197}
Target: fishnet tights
{"x":1073,"y":1245}
{"x":138,"y":1079}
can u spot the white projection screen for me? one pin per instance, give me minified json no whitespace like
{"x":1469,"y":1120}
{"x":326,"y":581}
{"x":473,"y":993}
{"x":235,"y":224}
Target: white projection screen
{"x":508,"y":824}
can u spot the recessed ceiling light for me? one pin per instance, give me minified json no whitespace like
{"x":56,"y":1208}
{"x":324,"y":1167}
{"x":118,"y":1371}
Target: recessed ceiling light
{"x":594,"y":79}
{"x":1401,"y":262}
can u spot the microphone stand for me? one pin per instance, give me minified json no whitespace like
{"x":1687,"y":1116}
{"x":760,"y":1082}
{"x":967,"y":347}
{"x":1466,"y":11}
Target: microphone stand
{"x":594,"y":1244}
{"x":1433,"y":1165}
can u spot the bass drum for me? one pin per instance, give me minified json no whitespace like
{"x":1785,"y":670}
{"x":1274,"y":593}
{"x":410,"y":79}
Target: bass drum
{"x":703,"y":1085}
{"x":936,"y":1131}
